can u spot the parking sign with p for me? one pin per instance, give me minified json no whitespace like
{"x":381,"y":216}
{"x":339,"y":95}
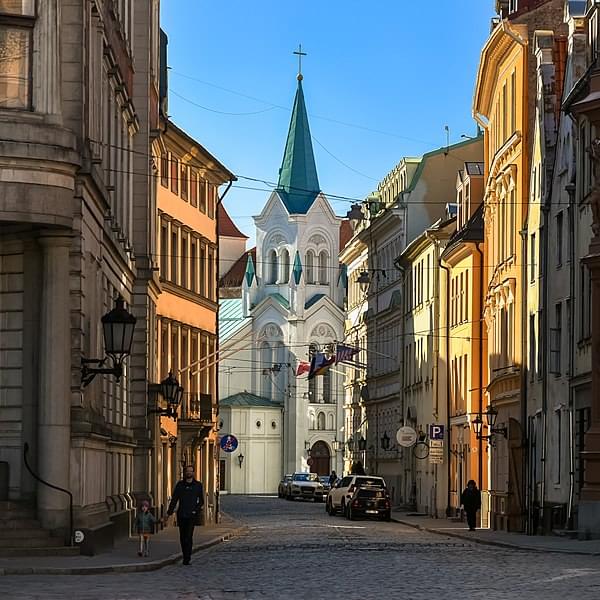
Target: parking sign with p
{"x":436,"y":432}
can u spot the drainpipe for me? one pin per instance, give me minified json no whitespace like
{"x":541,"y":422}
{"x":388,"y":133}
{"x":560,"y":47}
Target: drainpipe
{"x":448,"y":449}
{"x":524,"y":442}
{"x":570,"y":188}
{"x":480,"y":375}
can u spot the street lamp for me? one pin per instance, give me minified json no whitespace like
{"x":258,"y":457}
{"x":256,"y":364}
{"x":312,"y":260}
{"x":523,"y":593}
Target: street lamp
{"x":172,"y":392}
{"x":362,"y":444}
{"x":118,"y":326}
{"x":491,"y":416}
{"x":477,"y":426}
{"x":240,"y":460}
{"x":364,"y":281}
{"x":385,"y":441}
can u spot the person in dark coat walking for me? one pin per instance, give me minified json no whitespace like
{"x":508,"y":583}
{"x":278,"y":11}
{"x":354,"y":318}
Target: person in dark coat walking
{"x":471,"y":501}
{"x":332,"y":478}
{"x":189,"y":496}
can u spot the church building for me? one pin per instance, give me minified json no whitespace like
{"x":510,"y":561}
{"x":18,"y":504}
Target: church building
{"x":285,"y":304}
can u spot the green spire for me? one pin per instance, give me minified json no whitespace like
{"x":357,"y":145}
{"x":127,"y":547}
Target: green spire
{"x":298,"y":183}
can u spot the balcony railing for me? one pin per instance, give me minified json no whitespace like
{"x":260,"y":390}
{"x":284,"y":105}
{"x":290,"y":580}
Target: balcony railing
{"x":197,"y":407}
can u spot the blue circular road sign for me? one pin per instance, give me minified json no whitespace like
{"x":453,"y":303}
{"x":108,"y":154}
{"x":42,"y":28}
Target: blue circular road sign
{"x":229,"y":443}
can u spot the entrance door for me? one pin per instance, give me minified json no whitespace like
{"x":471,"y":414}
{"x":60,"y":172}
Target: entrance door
{"x":321,"y":459}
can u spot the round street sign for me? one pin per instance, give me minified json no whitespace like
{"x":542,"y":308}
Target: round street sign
{"x":79,"y":536}
{"x":229,"y":443}
{"x":406,"y":437}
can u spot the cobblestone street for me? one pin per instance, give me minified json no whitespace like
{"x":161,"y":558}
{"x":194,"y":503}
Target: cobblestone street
{"x":295,"y":550}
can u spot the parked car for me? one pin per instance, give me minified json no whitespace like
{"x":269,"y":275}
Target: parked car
{"x":339,"y":496}
{"x":305,"y":485}
{"x":324,"y":479}
{"x":369,"y":502}
{"x":282,"y":488}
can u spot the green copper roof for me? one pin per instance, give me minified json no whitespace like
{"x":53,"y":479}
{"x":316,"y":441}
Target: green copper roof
{"x":298,"y":183}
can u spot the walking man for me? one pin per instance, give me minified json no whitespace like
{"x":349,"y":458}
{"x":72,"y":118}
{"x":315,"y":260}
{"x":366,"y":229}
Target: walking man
{"x":189,"y":494}
{"x":471,"y":500}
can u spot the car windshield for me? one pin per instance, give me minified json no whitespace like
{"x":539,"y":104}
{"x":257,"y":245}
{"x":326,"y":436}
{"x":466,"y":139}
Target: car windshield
{"x":324,"y":479}
{"x":305,"y":477}
{"x":370,"y":481}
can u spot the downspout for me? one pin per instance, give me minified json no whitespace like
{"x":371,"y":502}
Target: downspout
{"x":524,"y":442}
{"x":570,"y":188}
{"x":448,"y":449}
{"x":217,"y":348}
{"x":480,"y":375}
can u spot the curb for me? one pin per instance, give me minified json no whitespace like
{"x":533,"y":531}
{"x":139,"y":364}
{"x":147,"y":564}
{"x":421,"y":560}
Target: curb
{"x":496,"y":543}
{"x":125,"y":568}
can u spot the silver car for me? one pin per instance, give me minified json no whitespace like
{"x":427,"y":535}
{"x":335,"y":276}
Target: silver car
{"x":305,"y":485}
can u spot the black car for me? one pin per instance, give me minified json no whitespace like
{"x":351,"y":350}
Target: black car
{"x":370,"y":502}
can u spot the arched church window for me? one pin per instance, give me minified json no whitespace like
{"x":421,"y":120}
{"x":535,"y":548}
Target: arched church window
{"x":285,"y":266}
{"x":266,"y":364}
{"x":321,"y":421}
{"x":323,"y":267}
{"x":331,"y":426}
{"x":272,"y":267}
{"x":312,"y":424}
{"x":310,"y":267}
{"x":326,"y":387}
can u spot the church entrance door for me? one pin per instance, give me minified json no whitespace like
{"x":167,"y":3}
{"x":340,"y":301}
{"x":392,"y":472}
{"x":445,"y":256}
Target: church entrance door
{"x":321,"y":458}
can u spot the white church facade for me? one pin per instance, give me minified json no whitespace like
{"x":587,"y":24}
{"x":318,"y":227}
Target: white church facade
{"x":289,"y":304}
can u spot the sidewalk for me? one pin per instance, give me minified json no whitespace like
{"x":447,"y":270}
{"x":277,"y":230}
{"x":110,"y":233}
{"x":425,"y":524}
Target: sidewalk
{"x":519,"y":541}
{"x":164,"y":550}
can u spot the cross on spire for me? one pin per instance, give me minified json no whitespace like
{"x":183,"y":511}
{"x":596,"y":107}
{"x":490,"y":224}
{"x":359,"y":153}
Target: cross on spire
{"x":300,"y":54}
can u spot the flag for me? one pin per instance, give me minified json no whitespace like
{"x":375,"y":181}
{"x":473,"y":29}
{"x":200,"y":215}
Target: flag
{"x":344,"y":353}
{"x":319,"y":364}
{"x":303,"y":367}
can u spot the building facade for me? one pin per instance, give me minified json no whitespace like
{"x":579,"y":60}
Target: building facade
{"x":186,"y":320}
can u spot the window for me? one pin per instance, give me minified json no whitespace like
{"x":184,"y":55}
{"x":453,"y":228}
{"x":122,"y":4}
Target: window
{"x":326,"y":387}
{"x":559,"y":239}
{"x":184,"y":259}
{"x":17,"y":18}
{"x":202,"y":268}
{"x":321,"y":421}
{"x":558,"y":445}
{"x":164,"y":250}
{"x":323,"y":267}
{"x":585,"y":303}
{"x":513,"y":102}
{"x":272,"y":266}
{"x":212,"y":198}
{"x":532,"y":346}
{"x":184,"y":181}
{"x":532,"y":261}
{"x":174,"y":175}
{"x":194,"y":266}
{"x":211,"y":274}
{"x":174,"y":248}
{"x":164,"y":170}
{"x":202,"y":195}
{"x":556,"y":341}
{"x":193,"y":188}
{"x":310,"y":267}
{"x":285,"y":266}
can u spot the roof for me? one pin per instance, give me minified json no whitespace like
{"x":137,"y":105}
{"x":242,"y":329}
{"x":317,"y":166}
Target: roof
{"x":313,"y":300}
{"x":298,"y":184}
{"x":225,"y":226}
{"x":471,"y":232}
{"x":248,"y":399}
{"x":231,"y":317}
{"x":346,"y":233}
{"x":475,"y":168}
{"x":227,"y":174}
{"x":235,"y":276}
{"x":281,"y":299}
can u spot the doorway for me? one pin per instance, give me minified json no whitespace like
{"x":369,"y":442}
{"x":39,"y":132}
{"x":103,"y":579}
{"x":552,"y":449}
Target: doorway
{"x":321,"y":458}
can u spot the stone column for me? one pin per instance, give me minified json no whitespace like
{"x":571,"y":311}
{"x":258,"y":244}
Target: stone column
{"x":54,"y":417}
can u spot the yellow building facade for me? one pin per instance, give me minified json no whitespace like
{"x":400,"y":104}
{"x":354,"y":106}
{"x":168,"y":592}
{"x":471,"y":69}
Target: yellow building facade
{"x":462,"y":348}
{"x":186,"y":336}
{"x":501,"y":108}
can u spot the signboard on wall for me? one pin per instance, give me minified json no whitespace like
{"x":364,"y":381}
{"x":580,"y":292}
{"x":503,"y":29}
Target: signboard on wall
{"x":229,"y":443}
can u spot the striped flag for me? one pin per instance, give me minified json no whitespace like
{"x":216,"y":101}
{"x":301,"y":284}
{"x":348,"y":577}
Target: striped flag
{"x":303,"y":367}
{"x":319,"y":364}
{"x":345,"y":353}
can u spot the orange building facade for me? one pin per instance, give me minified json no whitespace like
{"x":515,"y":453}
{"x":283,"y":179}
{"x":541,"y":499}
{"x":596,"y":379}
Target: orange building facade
{"x":186,"y":336}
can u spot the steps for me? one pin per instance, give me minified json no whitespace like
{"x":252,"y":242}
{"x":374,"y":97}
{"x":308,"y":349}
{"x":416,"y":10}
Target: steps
{"x":21,"y":534}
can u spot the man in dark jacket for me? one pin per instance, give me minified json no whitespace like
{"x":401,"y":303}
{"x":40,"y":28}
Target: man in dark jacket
{"x":189,"y":494}
{"x":471,"y":500}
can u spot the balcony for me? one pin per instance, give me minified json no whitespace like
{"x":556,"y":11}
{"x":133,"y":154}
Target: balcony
{"x":197,"y":408}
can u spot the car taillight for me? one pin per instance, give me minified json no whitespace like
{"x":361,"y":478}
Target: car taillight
{"x":355,"y":504}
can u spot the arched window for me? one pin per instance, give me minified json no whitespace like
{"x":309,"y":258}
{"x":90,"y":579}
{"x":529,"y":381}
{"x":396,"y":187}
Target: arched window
{"x":321,"y":421}
{"x":326,"y":387}
{"x":330,"y":422}
{"x":272,"y":266}
{"x":266,"y":364}
{"x":312,"y":421}
{"x":310,"y":267}
{"x":323,"y":267}
{"x":285,"y":266}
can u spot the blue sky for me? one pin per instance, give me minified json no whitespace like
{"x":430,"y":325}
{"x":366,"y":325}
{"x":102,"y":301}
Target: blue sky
{"x":397,"y":71}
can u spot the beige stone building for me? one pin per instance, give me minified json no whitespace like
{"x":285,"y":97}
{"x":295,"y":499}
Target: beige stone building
{"x":77,"y":215}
